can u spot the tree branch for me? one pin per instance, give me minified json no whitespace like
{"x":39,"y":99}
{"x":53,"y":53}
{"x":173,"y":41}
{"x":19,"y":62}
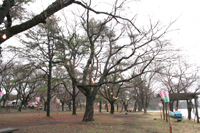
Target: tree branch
{"x":40,"y":18}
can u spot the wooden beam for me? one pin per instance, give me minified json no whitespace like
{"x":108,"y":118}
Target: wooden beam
{"x":183,"y":96}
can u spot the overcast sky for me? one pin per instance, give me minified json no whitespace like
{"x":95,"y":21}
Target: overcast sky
{"x":187,"y":25}
{"x":187,"y":13}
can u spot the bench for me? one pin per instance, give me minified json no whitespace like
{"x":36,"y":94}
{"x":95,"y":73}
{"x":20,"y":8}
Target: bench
{"x":8,"y":130}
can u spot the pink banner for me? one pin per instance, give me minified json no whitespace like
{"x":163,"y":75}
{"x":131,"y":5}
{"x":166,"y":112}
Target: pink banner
{"x":37,"y":99}
{"x":167,"y":93}
{"x":162,"y":94}
{"x":160,"y":105}
{"x":58,"y":101}
{"x":1,"y":94}
{"x":165,"y":96}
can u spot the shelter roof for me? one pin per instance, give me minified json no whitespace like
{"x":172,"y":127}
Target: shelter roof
{"x":183,"y":96}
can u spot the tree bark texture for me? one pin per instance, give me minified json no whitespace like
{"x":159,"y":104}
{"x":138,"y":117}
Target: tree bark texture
{"x":189,"y":106}
{"x":74,"y":100}
{"x":145,"y":110}
{"x":100,"y":106}
{"x":196,"y":107}
{"x":20,"y":107}
{"x":89,"y":111}
{"x":49,"y":82}
{"x":107,"y":107}
{"x":63,"y":106}
{"x":112,"y":108}
{"x":45,"y":106}
{"x":5,"y":9}
{"x":40,"y":18}
{"x":171,"y":105}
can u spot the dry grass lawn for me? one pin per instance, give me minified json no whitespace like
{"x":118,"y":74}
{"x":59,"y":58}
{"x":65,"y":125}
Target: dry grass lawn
{"x":28,"y":121}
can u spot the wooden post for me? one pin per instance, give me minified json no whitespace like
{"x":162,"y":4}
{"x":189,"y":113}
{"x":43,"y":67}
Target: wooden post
{"x":170,"y":128}
{"x":38,"y":110}
{"x":163,"y":109}
{"x":160,"y":113}
{"x":196,"y":106}
{"x":190,"y":108}
{"x":166,"y":111}
{"x":57,"y":108}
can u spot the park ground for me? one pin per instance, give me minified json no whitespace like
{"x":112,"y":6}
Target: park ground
{"x":29,"y":121}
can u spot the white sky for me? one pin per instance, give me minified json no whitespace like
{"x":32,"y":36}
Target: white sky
{"x":186,"y":11}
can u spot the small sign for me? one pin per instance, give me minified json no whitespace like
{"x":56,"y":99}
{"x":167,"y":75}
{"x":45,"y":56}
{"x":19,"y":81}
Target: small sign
{"x":58,"y":101}
{"x":165,"y":96}
{"x":1,"y":94}
{"x":37,"y":99}
{"x":160,"y":105}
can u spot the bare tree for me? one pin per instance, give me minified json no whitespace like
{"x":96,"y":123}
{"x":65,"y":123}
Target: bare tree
{"x":129,"y":47}
{"x":5,"y":78}
{"x":11,"y":30}
{"x":110,"y":92}
{"x":180,"y":78}
{"x":143,"y":88}
{"x":125,"y":97}
{"x":104,"y":47}
{"x":40,"y":49}
{"x":73,"y":92}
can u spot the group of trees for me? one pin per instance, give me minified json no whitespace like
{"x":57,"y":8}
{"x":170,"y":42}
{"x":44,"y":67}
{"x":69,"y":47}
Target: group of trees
{"x":110,"y":57}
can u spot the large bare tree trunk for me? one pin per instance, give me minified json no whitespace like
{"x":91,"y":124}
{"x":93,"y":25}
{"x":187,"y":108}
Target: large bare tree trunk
{"x":145,"y":110}
{"x":69,"y":105}
{"x":40,"y":18}
{"x":189,"y":106}
{"x":80,"y":106}
{"x":20,"y":107}
{"x":107,"y":107}
{"x":135,"y":107}
{"x":74,"y":100}
{"x":100,"y":106}
{"x":112,"y":109}
{"x":63,"y":106}
{"x":45,"y":106}
{"x":89,"y":111}
{"x":171,"y":104}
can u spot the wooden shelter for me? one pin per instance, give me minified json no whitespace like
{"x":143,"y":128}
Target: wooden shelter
{"x":184,"y":96}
